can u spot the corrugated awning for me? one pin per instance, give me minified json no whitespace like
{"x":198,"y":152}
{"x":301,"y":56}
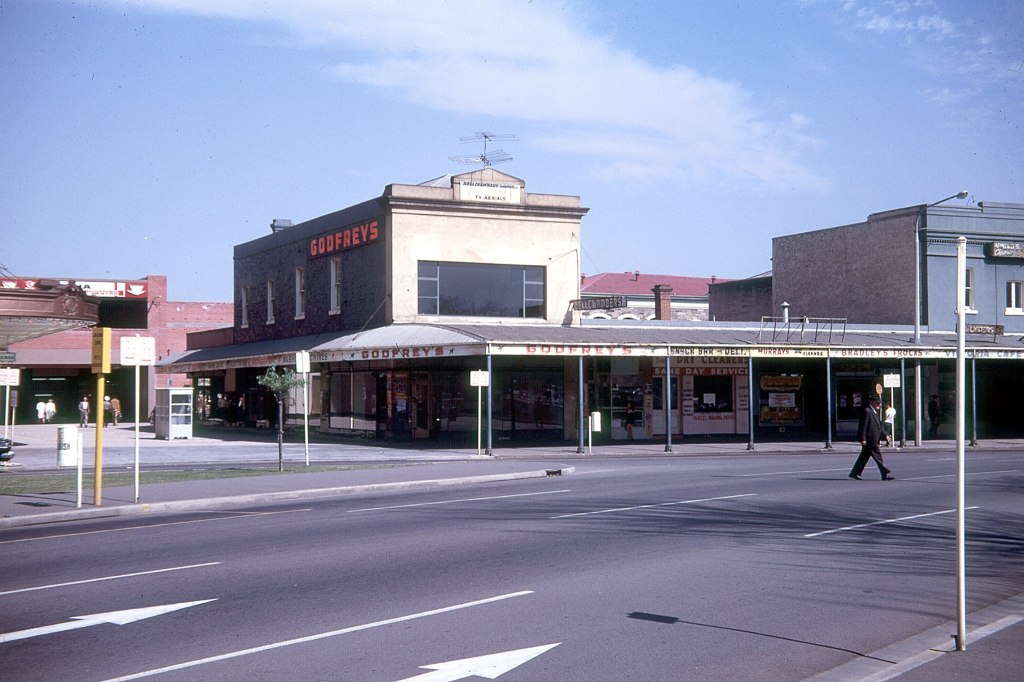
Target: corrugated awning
{"x":422,"y":341}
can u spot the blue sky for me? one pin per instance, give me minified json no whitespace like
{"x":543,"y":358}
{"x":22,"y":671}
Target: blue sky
{"x":150,"y":136}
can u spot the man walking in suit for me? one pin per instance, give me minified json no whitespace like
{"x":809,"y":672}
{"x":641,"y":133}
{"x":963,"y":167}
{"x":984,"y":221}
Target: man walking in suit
{"x":870,"y":434}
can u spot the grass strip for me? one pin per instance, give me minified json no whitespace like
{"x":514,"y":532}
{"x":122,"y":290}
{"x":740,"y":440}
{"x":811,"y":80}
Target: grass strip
{"x":54,"y":484}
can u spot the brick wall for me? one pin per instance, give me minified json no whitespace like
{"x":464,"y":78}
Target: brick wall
{"x":862,"y":272}
{"x":741,"y":300}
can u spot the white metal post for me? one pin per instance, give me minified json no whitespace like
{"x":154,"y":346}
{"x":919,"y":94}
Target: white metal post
{"x":136,"y":432}
{"x":305,"y":412}
{"x":961,"y":305}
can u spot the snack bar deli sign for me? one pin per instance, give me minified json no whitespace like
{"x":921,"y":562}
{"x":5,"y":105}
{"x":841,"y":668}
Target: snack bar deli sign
{"x":598,"y":350}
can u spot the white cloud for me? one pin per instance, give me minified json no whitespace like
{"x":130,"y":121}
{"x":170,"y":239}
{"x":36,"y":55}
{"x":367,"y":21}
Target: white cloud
{"x":536,"y":62}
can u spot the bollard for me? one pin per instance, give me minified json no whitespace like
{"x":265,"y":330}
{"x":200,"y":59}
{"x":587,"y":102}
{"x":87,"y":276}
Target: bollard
{"x":69,"y":446}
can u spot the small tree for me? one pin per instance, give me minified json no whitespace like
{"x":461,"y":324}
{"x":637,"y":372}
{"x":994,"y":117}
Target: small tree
{"x":280,"y":385}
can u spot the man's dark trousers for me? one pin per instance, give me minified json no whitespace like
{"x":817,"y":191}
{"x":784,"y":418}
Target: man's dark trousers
{"x":869,"y":451}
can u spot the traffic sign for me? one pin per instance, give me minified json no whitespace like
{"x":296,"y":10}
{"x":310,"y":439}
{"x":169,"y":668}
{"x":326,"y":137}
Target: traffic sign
{"x":10,"y":377}
{"x":138,"y":350}
{"x":101,"y":350}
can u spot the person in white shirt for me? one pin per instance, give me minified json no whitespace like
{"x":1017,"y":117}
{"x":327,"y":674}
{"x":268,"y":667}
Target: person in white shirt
{"x":890,"y":423}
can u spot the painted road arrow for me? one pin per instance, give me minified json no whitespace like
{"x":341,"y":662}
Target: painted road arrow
{"x":111,"y":617}
{"x":489,"y":667}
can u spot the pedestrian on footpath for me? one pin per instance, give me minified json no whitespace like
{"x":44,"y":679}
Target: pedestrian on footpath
{"x":41,"y":412}
{"x":870,"y":434}
{"x":890,"y":423}
{"x":51,"y":410}
{"x":115,"y":409}
{"x":83,"y":412}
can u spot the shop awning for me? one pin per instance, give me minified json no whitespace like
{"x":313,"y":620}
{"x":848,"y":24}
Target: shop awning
{"x":600,"y":338}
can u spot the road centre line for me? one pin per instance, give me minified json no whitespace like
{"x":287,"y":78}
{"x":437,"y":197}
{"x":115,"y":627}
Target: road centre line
{"x":153,"y":525}
{"x":464,"y":499}
{"x":651,"y":506}
{"x":322,"y":635}
{"x":802,"y":471}
{"x":110,"y":577}
{"x":878,"y":523}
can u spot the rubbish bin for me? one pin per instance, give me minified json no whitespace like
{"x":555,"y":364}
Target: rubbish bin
{"x":69,"y":446}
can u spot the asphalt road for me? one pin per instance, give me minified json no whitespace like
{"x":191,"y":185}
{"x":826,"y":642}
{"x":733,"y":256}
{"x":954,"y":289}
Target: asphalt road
{"x":729,"y":568}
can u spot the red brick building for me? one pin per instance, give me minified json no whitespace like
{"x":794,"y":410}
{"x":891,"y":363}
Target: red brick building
{"x":58,"y":366}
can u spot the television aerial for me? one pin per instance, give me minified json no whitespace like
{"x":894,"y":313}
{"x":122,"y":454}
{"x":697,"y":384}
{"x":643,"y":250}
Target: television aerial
{"x":487,"y":158}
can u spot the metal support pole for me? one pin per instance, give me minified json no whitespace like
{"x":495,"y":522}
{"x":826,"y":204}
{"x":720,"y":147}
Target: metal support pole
{"x":961,"y":584}
{"x":583,"y":420}
{"x":97,"y":483}
{"x":917,"y":403}
{"x":974,"y":403}
{"x":490,"y":407}
{"x":668,"y":403}
{"x":828,"y":401}
{"x":903,"y":402}
{"x":750,"y":403}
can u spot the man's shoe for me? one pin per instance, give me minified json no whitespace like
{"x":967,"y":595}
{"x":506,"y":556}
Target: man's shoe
{"x":855,"y":477}
{"x":888,"y":478}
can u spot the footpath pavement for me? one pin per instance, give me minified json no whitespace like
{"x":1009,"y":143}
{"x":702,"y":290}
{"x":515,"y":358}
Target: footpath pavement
{"x":995,"y":644}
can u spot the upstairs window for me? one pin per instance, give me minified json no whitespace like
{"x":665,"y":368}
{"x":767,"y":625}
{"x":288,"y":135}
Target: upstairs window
{"x":480,"y":290}
{"x":1014,"y":305}
{"x":335,"y":286}
{"x":270,"y":301}
{"x":244,"y":304}
{"x":969,"y":293}
{"x":300,"y":293}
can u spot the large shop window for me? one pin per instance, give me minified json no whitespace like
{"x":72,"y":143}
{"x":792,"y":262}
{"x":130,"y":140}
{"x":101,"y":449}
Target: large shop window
{"x":712,"y":393}
{"x":480,"y":290}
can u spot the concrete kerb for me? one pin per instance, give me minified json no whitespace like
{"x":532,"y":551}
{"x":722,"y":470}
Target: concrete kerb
{"x":210,"y":503}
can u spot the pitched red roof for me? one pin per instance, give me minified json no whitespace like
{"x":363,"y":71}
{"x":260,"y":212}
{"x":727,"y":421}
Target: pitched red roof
{"x":632,"y":284}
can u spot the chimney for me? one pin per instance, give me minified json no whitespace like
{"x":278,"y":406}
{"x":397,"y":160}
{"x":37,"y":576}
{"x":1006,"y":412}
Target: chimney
{"x":662,"y":302}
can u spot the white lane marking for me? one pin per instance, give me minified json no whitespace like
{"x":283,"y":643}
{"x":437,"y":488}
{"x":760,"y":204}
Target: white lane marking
{"x":651,"y":506}
{"x":491,"y":666}
{"x":152,"y":525}
{"x":464,"y":499}
{"x":802,"y":471}
{"x":110,"y":577}
{"x":110,"y":617}
{"x":969,"y":473}
{"x":322,"y":635}
{"x":878,"y":523}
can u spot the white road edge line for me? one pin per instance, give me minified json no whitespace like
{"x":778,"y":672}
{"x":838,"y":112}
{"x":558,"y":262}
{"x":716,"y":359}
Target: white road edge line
{"x":878,"y":523}
{"x":110,"y":577}
{"x":650,"y":506}
{"x":322,"y":635}
{"x":465,"y":499}
{"x":152,"y":525}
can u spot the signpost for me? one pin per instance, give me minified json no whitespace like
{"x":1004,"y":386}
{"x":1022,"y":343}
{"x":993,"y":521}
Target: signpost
{"x":9,"y":377}
{"x":100,"y":367}
{"x":135,"y":351}
{"x":302,"y":367}
{"x":479,"y":378}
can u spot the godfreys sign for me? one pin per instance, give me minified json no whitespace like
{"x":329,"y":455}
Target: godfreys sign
{"x":344,"y":239}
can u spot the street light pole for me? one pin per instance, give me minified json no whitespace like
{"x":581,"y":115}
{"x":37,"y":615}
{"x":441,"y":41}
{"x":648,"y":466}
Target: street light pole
{"x":917,"y":308}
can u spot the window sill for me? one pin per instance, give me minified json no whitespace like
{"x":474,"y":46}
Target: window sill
{"x":300,"y":317}
{"x":334,"y":311}
{"x":1014,"y":311}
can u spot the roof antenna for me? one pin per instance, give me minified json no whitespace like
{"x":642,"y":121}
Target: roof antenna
{"x":486,"y":158}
